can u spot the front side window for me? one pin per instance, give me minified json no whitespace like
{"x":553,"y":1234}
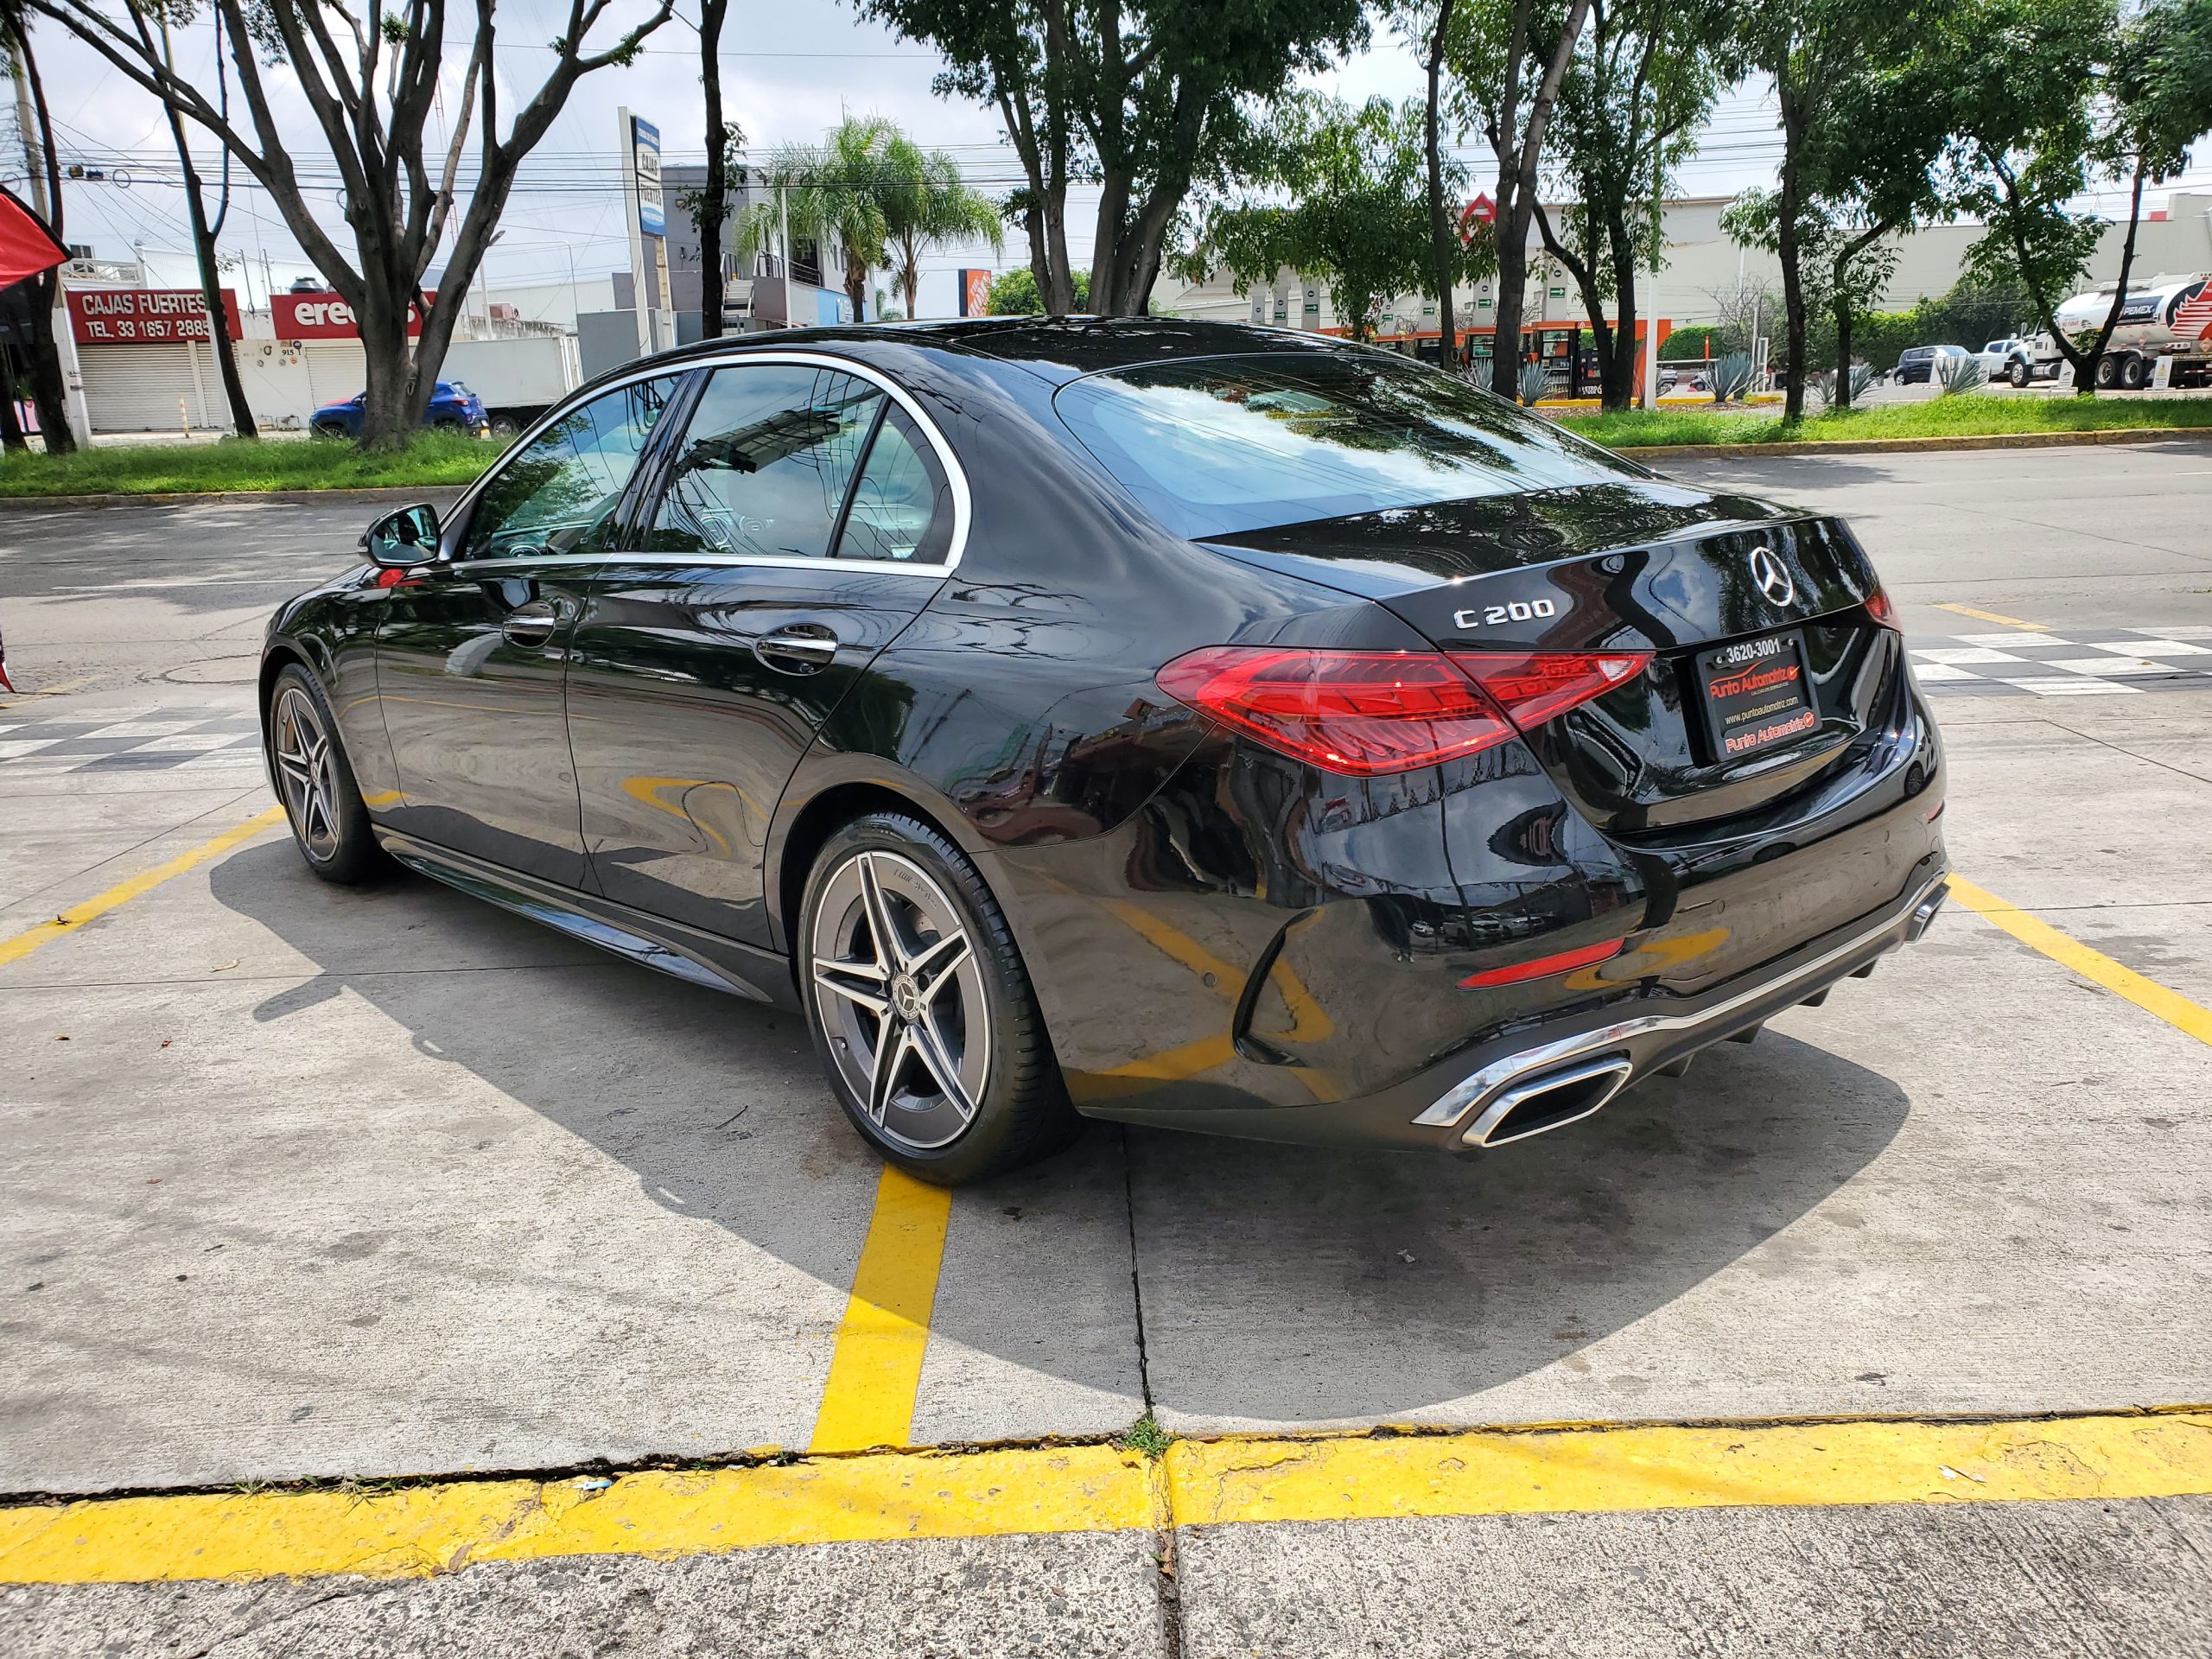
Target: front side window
{"x":558,"y":493}
{"x":1218,"y":446}
{"x":763,"y":469}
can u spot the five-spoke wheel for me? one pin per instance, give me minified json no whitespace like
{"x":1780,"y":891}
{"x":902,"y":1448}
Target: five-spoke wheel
{"x":308,"y":764}
{"x":921,"y":1008}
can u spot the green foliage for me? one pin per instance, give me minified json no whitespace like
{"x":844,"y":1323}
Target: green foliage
{"x":1146,"y":97}
{"x":432,"y":460}
{"x":1692,"y":343}
{"x":1014,"y":293}
{"x":1146,"y":1436}
{"x":832,"y":193}
{"x":1960,"y":374}
{"x":1531,"y":380}
{"x":1942,"y":417}
{"x":1343,"y":200}
{"x":1731,"y":378}
{"x":926,"y":203}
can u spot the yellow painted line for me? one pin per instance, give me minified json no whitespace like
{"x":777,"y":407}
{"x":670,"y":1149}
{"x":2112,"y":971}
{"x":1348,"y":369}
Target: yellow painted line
{"x":1602,"y":1470}
{"x":420,"y":1531}
{"x":428,"y":1529}
{"x":1992,"y":616}
{"x":123,"y":892}
{"x":876,"y":1368}
{"x":2148,"y":994}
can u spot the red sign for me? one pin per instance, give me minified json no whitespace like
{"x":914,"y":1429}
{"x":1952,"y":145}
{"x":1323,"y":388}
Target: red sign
{"x":325,"y":316}
{"x":1481,"y":211}
{"x":113,"y":316}
{"x":974,"y":292}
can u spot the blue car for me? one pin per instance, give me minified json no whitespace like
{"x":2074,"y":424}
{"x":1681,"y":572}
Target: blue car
{"x":453,"y":407}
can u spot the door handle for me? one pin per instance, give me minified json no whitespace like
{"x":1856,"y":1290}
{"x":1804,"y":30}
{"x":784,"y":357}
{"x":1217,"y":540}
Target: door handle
{"x":803,"y":648}
{"x":530,"y":624}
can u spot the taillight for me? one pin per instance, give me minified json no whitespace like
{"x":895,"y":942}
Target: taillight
{"x":1533,"y":687}
{"x":1371,"y":712}
{"x":1879,"y":607}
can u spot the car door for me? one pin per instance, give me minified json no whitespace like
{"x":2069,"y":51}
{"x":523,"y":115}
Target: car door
{"x":806,"y":514}
{"x":473,"y":646}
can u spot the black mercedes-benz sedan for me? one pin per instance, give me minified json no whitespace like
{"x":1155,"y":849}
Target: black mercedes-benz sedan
{"x":1188,"y":724}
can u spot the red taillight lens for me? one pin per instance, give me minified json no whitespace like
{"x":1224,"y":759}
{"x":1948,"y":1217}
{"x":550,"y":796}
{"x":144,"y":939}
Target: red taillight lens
{"x":1533,"y":687}
{"x":1879,"y":607}
{"x":1544,"y":967}
{"x":1370,"y":712}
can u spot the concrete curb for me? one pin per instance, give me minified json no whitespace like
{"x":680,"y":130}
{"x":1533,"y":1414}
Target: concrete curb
{"x":1918,"y":446}
{"x":436,"y":494}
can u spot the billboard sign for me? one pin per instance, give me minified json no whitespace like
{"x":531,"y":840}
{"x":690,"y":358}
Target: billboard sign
{"x":645,"y":161}
{"x":974,"y":293}
{"x":324,"y":316}
{"x":111,"y":316}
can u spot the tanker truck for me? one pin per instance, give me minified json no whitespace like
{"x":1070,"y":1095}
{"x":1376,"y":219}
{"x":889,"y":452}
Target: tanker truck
{"x":2167,"y":317}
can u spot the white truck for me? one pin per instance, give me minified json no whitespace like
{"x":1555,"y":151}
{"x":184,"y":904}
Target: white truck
{"x":2168,"y":316}
{"x":519,"y":378}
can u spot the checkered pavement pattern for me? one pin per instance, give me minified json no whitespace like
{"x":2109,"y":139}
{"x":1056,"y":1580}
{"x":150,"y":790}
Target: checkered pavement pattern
{"x":2081,"y":662}
{"x":140,"y":740}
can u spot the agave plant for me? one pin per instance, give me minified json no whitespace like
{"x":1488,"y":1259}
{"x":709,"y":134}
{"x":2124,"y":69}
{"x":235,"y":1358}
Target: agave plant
{"x":1532,"y":382}
{"x":1862,"y":375}
{"x":1820,"y":383}
{"x":1960,"y":374}
{"x":1731,"y":378}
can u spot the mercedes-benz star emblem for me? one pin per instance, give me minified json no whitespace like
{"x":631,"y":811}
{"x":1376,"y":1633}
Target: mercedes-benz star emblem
{"x":1774,"y":581}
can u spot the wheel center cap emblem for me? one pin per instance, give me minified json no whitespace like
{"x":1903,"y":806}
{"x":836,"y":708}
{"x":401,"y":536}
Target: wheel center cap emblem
{"x":907,"y":998}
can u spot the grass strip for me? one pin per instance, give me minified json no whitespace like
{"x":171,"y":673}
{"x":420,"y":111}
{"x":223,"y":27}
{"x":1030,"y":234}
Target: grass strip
{"x":435,"y":460}
{"x":1967,"y":415}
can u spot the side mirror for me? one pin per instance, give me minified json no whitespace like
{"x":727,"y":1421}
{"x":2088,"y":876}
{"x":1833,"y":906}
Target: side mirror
{"x":401,"y":540}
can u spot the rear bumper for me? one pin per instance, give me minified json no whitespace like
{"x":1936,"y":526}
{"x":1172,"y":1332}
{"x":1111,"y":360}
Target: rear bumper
{"x":1462,"y":1102}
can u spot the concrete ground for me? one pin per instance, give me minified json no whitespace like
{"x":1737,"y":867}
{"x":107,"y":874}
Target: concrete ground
{"x":354,"y":1184}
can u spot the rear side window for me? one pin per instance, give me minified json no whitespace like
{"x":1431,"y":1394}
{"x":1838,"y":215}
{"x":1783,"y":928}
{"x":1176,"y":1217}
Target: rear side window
{"x":901,"y":508}
{"x":763,"y":468}
{"x":1217,"y":446}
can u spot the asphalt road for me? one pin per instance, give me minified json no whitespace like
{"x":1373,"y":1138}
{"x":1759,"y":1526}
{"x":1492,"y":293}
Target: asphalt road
{"x":369,"y":1185}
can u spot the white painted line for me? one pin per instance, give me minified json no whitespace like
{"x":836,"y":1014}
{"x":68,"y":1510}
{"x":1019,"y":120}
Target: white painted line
{"x":2082,"y":688}
{"x":1967,"y":654}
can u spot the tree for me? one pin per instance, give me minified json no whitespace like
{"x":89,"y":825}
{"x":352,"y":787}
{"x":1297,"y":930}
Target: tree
{"x":1510,"y":60}
{"x":1346,"y":203}
{"x":47,"y":395}
{"x":1427,"y":25}
{"x":2080,"y":101}
{"x":1146,"y":97}
{"x":243,"y":424}
{"x":1641,"y":81}
{"x":722,"y":138}
{"x":370,"y":84}
{"x":832,"y":193}
{"x":1013,"y":294}
{"x":926,"y":203}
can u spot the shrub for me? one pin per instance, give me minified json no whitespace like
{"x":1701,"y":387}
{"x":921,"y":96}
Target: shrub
{"x":1532,"y":382}
{"x":1960,"y":374}
{"x":1731,"y":378}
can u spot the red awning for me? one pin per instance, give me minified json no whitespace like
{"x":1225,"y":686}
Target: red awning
{"x":27,"y":247}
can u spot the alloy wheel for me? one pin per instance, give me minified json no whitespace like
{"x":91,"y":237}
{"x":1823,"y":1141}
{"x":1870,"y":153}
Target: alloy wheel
{"x":899,"y":994}
{"x":305,"y":771}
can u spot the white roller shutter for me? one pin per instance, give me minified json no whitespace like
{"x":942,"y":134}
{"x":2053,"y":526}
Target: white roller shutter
{"x":337,"y":369}
{"x":135,"y":388}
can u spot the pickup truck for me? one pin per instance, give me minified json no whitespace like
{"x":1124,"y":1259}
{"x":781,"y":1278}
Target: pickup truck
{"x":2013,"y":359}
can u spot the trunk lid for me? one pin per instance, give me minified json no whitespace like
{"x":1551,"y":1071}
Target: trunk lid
{"x":1636,"y":564}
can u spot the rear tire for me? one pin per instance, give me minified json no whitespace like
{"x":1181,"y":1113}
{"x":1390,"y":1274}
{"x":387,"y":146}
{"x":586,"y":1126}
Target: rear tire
{"x":2107,"y":372}
{"x":2019,"y":375}
{"x":2134,"y":372}
{"x":921,"y":1010}
{"x":314,"y":782}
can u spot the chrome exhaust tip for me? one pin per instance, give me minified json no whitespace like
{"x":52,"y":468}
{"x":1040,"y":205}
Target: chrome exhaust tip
{"x":1924,"y":912}
{"x":1551,"y":1101}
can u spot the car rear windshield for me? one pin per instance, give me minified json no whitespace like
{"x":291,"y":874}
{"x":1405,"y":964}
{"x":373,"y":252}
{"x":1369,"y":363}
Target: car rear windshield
{"x":1220,"y":445}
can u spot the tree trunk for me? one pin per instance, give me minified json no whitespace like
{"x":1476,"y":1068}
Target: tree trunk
{"x":11,"y":426}
{"x":1440,"y":229}
{"x":1786,"y":248}
{"x":243,"y":424}
{"x":2086,"y":375}
{"x":714,"y":198}
{"x":49,"y":395}
{"x":1512,"y":242}
{"x":1842,"y":398}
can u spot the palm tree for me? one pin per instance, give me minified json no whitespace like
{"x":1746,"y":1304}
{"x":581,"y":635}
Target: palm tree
{"x":830,"y":193}
{"x":926,"y":204}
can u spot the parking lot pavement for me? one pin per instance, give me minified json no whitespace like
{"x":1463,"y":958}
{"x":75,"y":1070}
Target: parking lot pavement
{"x":304,"y":1183}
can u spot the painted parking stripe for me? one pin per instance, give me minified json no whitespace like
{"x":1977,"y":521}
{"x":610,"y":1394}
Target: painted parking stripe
{"x":123,"y":892}
{"x":876,"y":1369}
{"x":1992,"y":616}
{"x":2148,"y":994}
{"x":437,"y":1528}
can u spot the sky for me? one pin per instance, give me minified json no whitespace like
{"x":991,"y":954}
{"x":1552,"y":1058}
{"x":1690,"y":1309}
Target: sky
{"x":790,"y":70}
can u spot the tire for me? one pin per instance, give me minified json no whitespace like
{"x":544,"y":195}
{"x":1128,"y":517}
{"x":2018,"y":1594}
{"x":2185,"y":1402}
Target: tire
{"x":314,"y":782}
{"x":333,"y":434}
{"x":925,"y":996}
{"x":2019,"y":374}
{"x":2134,"y":372}
{"x":2107,"y":372}
{"x":447,"y":423}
